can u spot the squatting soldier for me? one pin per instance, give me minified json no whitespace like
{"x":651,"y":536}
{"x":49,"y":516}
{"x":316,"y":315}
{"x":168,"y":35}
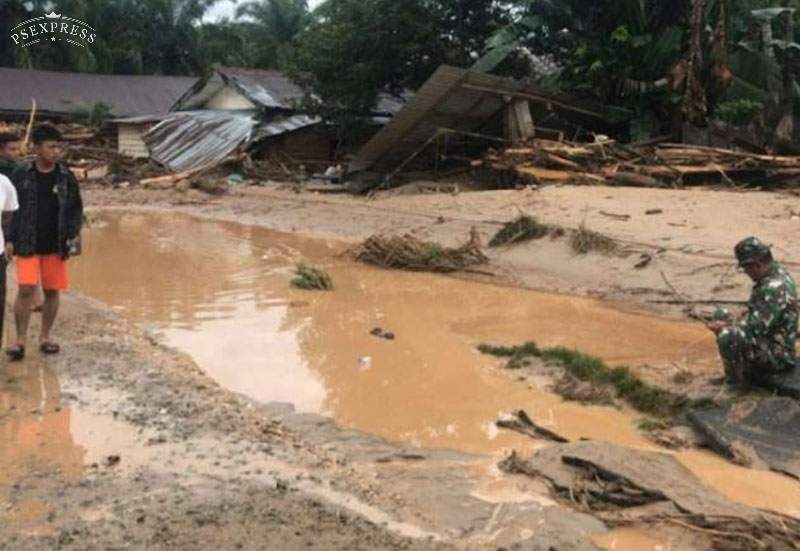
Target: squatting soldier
{"x":761,"y":346}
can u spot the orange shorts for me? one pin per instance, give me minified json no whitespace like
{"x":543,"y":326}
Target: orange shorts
{"x":49,"y":269}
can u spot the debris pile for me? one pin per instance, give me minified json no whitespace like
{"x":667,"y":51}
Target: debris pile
{"x":524,"y":228}
{"x":583,"y":241}
{"x":607,"y":162}
{"x":109,"y":167}
{"x":409,"y":253}
{"x":622,"y":486}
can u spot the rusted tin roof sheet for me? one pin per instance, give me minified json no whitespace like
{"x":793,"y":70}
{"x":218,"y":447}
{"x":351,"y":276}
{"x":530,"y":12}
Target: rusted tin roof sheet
{"x":455,"y":99}
{"x":59,"y":94}
{"x":191,"y":140}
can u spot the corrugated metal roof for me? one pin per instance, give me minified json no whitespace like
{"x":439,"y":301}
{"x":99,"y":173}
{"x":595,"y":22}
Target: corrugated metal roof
{"x":271,"y":89}
{"x":59,"y":93}
{"x":282,"y":124}
{"x":191,"y":140}
{"x":264,"y":87}
{"x":456,"y":99}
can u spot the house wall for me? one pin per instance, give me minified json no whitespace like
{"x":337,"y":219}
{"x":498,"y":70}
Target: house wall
{"x":309,"y":145}
{"x":228,"y":98}
{"x":129,"y":140}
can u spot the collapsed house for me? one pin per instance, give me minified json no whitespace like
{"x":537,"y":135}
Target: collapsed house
{"x":259,"y":110}
{"x":458,"y":113}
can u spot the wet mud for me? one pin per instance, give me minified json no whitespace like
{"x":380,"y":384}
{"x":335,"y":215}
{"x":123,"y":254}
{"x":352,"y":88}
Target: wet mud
{"x":220,"y":293}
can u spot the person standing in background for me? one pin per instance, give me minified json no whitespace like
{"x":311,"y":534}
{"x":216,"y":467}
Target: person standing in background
{"x":9,"y":153}
{"x":9,"y":156}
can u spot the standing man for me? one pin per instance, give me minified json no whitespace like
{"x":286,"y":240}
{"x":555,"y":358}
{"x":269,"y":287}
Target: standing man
{"x":760,"y":348}
{"x":9,"y":153}
{"x":44,"y":233}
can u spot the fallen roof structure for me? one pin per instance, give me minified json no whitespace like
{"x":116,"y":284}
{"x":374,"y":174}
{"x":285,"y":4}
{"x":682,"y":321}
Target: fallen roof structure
{"x":463,"y":101}
{"x":264,"y":88}
{"x":59,"y":94}
{"x":192,"y":140}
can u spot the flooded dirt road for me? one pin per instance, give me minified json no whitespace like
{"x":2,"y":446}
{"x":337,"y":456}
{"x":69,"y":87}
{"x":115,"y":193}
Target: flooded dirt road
{"x":221,"y":292}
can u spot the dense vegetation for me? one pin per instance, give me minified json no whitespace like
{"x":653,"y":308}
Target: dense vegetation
{"x":731,"y":60}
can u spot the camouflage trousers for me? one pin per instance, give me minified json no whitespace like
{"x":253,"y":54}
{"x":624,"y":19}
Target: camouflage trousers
{"x":746,"y":360}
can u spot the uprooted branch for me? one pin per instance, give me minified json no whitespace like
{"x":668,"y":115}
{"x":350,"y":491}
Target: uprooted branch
{"x":409,"y":253}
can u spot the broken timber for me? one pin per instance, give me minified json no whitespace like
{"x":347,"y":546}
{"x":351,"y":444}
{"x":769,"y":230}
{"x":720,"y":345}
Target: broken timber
{"x":523,"y":424}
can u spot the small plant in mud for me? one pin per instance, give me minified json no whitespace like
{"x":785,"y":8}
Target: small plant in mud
{"x":310,"y":278}
{"x":431,"y":251}
{"x":584,"y":240}
{"x":524,"y":228}
{"x":627,"y":385}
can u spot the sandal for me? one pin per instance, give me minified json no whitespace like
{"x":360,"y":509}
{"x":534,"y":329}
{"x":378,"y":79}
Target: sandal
{"x":48,"y":347}
{"x":16,"y":354}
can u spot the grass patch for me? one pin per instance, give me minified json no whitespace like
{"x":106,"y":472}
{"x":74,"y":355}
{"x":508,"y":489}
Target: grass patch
{"x":524,"y":228}
{"x":310,"y":278}
{"x":583,"y":241}
{"x":627,"y":386}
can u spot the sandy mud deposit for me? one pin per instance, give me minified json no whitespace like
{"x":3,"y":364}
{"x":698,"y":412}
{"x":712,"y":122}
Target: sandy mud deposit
{"x":164,"y":423}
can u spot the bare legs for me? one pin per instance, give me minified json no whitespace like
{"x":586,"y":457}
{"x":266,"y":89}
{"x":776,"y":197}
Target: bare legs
{"x":22,"y":312}
{"x":49,"y":311}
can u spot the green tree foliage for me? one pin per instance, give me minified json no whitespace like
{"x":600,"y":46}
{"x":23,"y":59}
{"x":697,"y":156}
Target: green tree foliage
{"x":354,"y":49}
{"x":94,"y":115}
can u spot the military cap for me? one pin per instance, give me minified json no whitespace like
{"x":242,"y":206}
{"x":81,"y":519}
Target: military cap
{"x":751,"y":249}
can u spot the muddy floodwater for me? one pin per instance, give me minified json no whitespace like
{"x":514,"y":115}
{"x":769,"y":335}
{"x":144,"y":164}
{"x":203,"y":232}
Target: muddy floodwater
{"x":220,"y":292}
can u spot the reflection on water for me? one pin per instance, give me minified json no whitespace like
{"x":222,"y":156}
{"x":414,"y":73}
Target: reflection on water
{"x":35,"y":440}
{"x":220,"y":292}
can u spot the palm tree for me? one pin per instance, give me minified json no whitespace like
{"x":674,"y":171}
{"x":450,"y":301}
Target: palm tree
{"x":282,"y":19}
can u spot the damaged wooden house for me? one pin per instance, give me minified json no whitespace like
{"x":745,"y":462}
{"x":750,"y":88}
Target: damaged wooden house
{"x":458,"y":114}
{"x":255,"y":109}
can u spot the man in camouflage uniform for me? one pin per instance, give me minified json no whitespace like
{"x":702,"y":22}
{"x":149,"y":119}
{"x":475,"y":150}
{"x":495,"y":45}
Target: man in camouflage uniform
{"x":760,"y":348}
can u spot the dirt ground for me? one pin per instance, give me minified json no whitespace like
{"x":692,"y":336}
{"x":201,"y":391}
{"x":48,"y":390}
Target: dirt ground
{"x":191,"y":464}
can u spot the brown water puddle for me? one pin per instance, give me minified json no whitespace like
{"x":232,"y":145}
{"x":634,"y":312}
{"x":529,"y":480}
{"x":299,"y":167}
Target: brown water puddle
{"x":630,"y":539}
{"x":220,"y":292}
{"x":39,"y":443}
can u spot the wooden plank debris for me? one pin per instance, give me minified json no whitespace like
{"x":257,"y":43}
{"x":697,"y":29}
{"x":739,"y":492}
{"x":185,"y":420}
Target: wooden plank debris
{"x":660,"y":165}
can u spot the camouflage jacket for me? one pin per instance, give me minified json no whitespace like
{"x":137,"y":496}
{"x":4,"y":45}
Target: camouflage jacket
{"x":772,"y":315}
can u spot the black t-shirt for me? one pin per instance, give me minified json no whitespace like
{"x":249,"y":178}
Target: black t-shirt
{"x":46,"y":213}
